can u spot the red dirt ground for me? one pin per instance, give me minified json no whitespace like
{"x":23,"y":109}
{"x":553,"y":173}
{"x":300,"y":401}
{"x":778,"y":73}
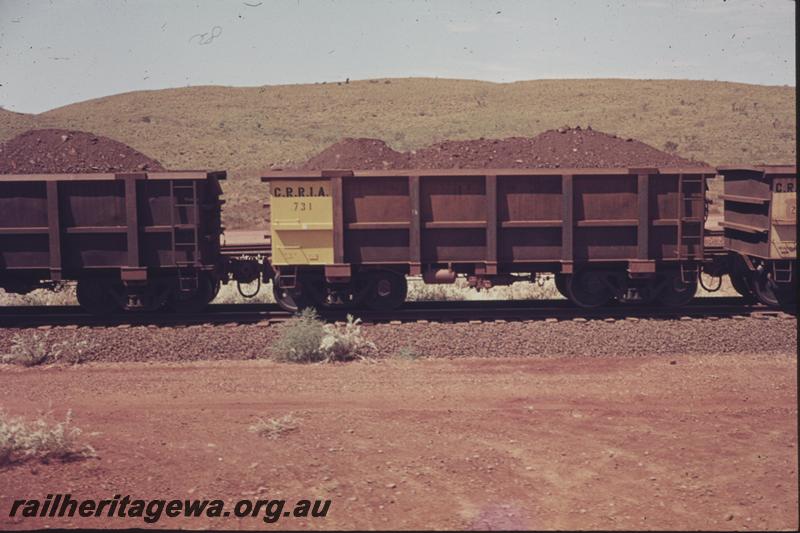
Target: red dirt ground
{"x":53,"y":150}
{"x":681,"y":442}
{"x":564,"y":147}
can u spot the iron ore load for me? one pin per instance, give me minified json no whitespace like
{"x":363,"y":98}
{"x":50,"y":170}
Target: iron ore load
{"x":148,"y":239}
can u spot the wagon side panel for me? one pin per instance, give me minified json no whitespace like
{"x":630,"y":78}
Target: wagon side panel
{"x":179,"y":222}
{"x":302,"y":221}
{"x":605,"y":208}
{"x":453,"y":219}
{"x":376,"y":219}
{"x":746,"y":212}
{"x":93,"y":222}
{"x":24,"y":225}
{"x":530,"y":218}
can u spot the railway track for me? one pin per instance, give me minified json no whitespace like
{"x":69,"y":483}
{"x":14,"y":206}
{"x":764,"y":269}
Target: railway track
{"x":443,"y":312}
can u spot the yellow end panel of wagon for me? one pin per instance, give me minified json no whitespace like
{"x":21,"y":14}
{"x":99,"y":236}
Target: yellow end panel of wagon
{"x":302,"y":222}
{"x":783,"y":238}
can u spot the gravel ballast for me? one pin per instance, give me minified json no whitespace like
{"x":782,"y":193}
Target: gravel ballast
{"x":593,"y":338}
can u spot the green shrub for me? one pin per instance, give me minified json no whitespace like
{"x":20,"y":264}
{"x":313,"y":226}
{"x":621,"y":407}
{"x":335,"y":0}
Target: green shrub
{"x":346,"y":341}
{"x":306,"y":339}
{"x":21,"y":441}
{"x":37,"y":349}
{"x":299,"y":339}
{"x":32,"y":350}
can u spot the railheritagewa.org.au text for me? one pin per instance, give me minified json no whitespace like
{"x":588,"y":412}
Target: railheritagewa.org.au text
{"x":153,"y":509}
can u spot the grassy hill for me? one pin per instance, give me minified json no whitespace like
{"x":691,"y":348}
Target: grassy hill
{"x":245,"y":130}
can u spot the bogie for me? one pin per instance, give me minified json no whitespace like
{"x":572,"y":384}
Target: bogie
{"x":194,"y":298}
{"x":675,"y":290}
{"x":588,"y":288}
{"x":384,"y":290}
{"x":769,"y":292}
{"x":98,"y":296}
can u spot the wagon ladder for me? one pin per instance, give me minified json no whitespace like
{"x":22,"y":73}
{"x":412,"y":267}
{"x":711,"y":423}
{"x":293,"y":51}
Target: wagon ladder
{"x":185,"y":233}
{"x":690,"y":217}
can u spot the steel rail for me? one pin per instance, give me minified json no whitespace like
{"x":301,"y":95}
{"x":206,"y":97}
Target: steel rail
{"x":436,"y":311}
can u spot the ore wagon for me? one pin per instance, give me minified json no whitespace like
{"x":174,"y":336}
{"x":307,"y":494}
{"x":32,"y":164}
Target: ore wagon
{"x":344,"y":238}
{"x":760,"y":225}
{"x":131,"y":240}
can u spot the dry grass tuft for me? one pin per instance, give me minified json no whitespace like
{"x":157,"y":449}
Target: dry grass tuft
{"x":21,"y":441}
{"x":272,"y":428}
{"x":345,"y":342}
{"x":33,"y":349}
{"x":407,"y":352}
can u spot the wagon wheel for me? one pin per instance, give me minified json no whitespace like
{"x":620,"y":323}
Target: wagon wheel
{"x":97,"y":297}
{"x":561,"y":284}
{"x":194,"y":301}
{"x":157,"y":294}
{"x":587,"y":289}
{"x":385,"y":290}
{"x":674,"y":292}
{"x":325,"y":295}
{"x":770,"y":293}
{"x":292,"y":300}
{"x":741,"y":284}
{"x":740,"y":277}
{"x":216,"y":287}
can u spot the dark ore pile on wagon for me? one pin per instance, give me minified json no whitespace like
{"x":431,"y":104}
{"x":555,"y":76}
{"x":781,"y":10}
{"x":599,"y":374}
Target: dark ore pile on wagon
{"x":561,"y":148}
{"x":360,"y":154}
{"x":55,"y":151}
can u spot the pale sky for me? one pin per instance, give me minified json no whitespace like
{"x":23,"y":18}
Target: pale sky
{"x":53,"y":53}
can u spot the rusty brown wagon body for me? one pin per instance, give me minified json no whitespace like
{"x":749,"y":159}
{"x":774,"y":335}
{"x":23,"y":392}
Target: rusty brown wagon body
{"x":760,"y":225}
{"x":349,"y":238}
{"x":130,"y":239}
{"x":621,"y":231}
